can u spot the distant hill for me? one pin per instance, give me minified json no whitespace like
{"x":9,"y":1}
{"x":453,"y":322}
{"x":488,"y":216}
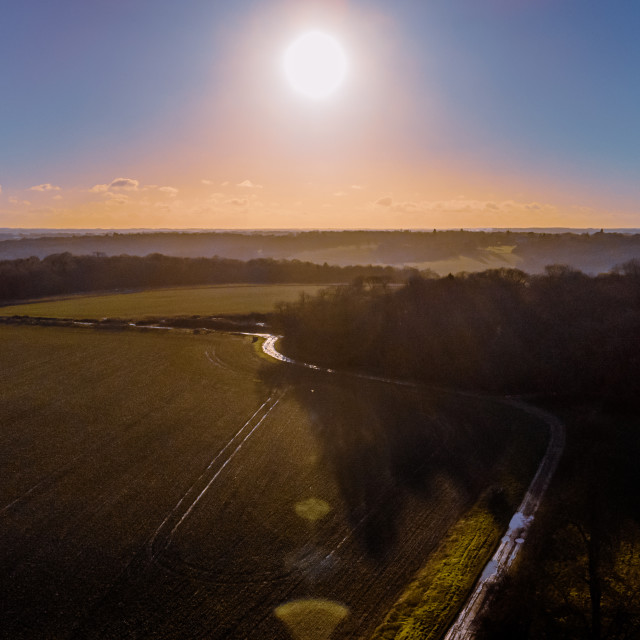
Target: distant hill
{"x":441,"y":251}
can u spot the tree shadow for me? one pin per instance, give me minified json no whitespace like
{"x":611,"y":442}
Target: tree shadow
{"x":386,"y":443}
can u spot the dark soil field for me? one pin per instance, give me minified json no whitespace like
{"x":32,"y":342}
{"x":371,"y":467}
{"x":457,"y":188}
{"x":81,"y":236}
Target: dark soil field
{"x":168,"y":485}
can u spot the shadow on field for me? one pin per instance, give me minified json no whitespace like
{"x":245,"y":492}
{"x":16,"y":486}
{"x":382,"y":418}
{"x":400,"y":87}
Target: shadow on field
{"x":385,"y":443}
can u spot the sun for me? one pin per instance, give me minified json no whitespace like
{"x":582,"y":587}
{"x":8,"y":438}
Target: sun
{"x":315,"y":65}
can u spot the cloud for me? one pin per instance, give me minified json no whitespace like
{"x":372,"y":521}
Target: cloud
{"x":116,"y":199}
{"x":339,"y":194}
{"x":224,"y":184}
{"x":237,"y":202}
{"x":406,"y":207}
{"x":57,"y":197}
{"x":357,"y":186}
{"x":44,"y":187}
{"x":466,"y":206}
{"x":206,"y":181}
{"x":0,"y":188}
{"x":247,"y":184}
{"x":485,"y":206}
{"x":14,"y":200}
{"x":172,"y":192}
{"x":124,"y":183}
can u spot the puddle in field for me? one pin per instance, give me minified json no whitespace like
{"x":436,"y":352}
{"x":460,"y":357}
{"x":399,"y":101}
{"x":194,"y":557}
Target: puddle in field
{"x":311,"y":619}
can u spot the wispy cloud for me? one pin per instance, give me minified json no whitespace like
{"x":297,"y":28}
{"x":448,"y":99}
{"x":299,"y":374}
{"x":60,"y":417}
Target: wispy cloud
{"x":206,"y":181}
{"x":358,"y":187}
{"x":125,"y":184}
{"x":17,"y":201}
{"x":247,"y":184}
{"x":116,"y":199}
{"x":44,"y":187}
{"x":172,"y":192}
{"x":464,"y":205}
{"x":237,"y":202}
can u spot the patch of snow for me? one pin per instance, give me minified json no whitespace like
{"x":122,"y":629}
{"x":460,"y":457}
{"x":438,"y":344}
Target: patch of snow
{"x":520,"y":521}
{"x":490,"y":570}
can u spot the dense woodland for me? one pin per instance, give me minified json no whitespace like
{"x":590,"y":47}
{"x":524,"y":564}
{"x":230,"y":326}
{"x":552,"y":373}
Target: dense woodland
{"x":497,"y":331}
{"x":529,"y":251}
{"x":65,"y":273}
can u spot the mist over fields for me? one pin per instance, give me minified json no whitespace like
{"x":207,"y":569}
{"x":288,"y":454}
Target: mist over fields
{"x":440,"y":251}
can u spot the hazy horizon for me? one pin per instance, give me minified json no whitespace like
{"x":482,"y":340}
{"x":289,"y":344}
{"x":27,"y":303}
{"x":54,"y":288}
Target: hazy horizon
{"x":33,"y":230}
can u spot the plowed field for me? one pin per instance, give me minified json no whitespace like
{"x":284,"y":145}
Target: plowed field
{"x":179,"y":486}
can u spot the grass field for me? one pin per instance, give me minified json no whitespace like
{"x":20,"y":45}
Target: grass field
{"x":172,"y":485}
{"x":216,"y":300}
{"x":428,"y":606}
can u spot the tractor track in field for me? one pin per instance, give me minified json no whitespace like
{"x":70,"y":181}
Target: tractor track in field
{"x":213,"y":358}
{"x":163,"y":536}
{"x":465,"y":623}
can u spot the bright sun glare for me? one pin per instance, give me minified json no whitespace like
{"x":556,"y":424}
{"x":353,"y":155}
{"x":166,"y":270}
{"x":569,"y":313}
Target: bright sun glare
{"x":315,"y":65}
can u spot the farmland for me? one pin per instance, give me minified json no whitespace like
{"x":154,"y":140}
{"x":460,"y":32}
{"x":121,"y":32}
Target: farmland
{"x":175,"y":485}
{"x":210,"y":300}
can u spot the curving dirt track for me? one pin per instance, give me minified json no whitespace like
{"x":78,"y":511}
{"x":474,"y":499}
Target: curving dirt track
{"x":464,"y":626}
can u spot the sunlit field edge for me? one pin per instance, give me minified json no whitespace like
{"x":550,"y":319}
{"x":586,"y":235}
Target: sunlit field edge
{"x":213,"y":300}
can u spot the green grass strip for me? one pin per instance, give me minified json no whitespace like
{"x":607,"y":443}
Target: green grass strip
{"x":426,"y":608}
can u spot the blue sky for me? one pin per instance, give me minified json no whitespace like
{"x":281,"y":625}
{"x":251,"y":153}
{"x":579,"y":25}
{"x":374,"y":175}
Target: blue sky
{"x":452,"y":107}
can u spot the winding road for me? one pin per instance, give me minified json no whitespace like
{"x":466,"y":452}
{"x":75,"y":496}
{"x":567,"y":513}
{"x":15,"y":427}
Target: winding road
{"x":464,"y":626}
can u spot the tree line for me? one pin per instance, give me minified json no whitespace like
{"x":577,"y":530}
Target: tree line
{"x":65,"y":273}
{"x":496,"y":331}
{"x":592,"y":252}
